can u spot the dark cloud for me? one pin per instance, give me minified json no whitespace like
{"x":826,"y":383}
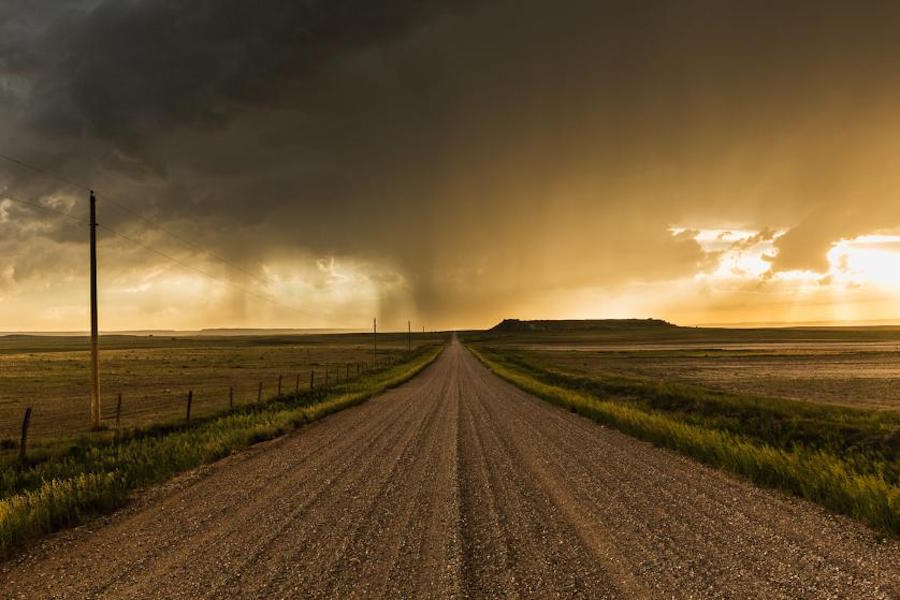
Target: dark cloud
{"x":480,"y":151}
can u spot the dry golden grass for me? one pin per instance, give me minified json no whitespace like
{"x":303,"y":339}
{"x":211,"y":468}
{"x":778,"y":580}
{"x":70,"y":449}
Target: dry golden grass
{"x":154,"y":374}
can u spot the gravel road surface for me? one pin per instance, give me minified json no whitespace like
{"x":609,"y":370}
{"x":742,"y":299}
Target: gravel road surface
{"x":457,"y":484}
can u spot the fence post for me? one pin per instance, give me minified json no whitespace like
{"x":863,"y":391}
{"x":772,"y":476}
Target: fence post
{"x":118,"y":414}
{"x":259,"y":393}
{"x":297,"y":391}
{"x":190,"y":399}
{"x":279,"y":385}
{"x":231,"y":398}
{"x":24,"y":441}
{"x":312,"y":376}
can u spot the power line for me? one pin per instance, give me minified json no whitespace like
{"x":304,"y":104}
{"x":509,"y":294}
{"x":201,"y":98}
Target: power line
{"x":180,"y":239}
{"x":200,"y":271}
{"x":48,"y":209}
{"x":131,"y":211}
{"x":168,"y":257}
{"x":152,"y":222}
{"x":55,"y":211}
{"x":44,"y":171}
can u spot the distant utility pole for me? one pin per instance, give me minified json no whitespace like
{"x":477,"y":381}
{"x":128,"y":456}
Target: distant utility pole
{"x":375,"y":338}
{"x":95,"y":335}
{"x":409,"y":336}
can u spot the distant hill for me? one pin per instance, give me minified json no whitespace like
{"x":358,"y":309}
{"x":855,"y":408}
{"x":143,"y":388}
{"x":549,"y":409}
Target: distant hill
{"x":515,"y":325}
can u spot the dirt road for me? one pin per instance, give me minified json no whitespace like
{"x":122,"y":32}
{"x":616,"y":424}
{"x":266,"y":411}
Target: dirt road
{"x":458,"y":484}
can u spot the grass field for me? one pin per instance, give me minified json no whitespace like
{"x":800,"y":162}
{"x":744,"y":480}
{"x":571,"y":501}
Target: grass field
{"x":849,"y":366}
{"x":154,"y":374}
{"x":77,"y":480}
{"x":760,"y":410}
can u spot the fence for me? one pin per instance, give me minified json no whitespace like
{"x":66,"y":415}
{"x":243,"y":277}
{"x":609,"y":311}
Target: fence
{"x":143,"y":387}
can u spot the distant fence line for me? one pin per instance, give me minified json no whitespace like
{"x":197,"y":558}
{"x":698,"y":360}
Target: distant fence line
{"x":325,"y":378}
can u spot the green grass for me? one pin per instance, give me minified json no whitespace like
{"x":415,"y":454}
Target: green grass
{"x":845,"y":459}
{"x":90,"y":479}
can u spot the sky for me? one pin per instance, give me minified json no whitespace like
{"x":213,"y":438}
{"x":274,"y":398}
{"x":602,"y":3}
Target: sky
{"x":320,"y":163}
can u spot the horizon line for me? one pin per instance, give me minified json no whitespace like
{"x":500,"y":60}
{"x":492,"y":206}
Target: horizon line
{"x":213,"y":330}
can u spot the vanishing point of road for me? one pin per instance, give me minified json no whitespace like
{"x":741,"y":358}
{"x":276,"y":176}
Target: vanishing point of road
{"x":457,"y":484}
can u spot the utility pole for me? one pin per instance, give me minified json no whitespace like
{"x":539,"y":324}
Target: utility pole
{"x":409,"y":336}
{"x":375,"y":338}
{"x":95,"y":335}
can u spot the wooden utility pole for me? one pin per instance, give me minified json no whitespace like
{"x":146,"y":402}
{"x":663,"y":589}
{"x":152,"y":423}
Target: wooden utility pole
{"x":95,"y":335}
{"x":375,"y":338}
{"x":409,"y":336}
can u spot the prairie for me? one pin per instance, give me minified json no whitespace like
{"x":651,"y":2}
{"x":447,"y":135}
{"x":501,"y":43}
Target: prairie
{"x":812,"y":412}
{"x":155,"y":373}
{"x":851,"y":366}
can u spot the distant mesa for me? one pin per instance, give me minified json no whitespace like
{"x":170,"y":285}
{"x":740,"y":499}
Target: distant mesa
{"x":515,"y":325}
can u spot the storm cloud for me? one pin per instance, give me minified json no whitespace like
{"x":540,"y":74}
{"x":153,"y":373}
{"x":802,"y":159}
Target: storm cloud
{"x":465,"y":158}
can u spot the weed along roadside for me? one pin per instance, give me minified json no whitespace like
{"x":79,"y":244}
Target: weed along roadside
{"x":36,"y":499}
{"x":847,"y":460}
